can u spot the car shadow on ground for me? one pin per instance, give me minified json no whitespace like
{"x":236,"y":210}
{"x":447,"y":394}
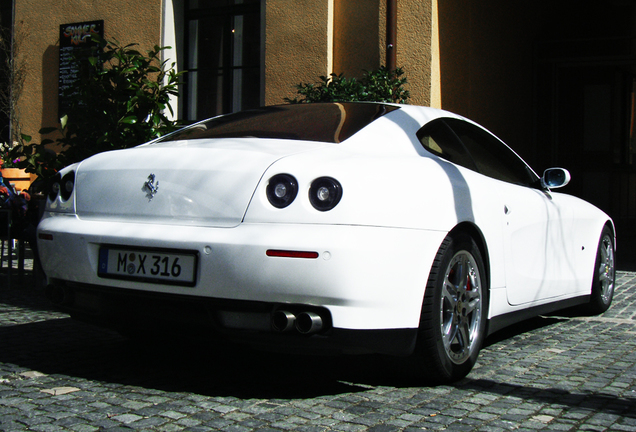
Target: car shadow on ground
{"x":587,"y":402}
{"x":77,"y":354}
{"x":64,"y":347}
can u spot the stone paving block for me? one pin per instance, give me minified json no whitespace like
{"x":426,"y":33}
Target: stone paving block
{"x":218,"y":423}
{"x":174,"y":415}
{"x":196,"y":429}
{"x":47,"y":427}
{"x":188,"y":422}
{"x":267,"y":430}
{"x":303,"y":428}
{"x":370,"y":419}
{"x":270,"y":416}
{"x":620,"y":427}
{"x":169,"y":427}
{"x":127,"y":418}
{"x":224,"y":408}
{"x":134,"y":405}
{"x":106,"y":423}
{"x":349,"y":427}
{"x":92,"y":416}
{"x":68,"y":421}
{"x":82,"y":427}
{"x":383,"y":428}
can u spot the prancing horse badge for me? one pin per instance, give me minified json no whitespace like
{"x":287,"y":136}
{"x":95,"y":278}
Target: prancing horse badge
{"x":151,"y":187}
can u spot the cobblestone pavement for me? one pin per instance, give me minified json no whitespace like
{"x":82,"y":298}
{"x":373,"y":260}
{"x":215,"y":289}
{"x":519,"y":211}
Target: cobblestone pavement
{"x":550,"y":373}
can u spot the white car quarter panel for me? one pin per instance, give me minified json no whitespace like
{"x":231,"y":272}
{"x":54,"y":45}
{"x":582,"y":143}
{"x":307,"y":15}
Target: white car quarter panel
{"x":406,"y":192}
{"x":368,"y":277}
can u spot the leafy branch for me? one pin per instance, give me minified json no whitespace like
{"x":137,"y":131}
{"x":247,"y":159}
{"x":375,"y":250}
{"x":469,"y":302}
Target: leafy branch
{"x":381,"y":85}
{"x":119,"y":101}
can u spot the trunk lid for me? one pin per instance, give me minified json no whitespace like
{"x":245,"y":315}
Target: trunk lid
{"x":199,"y":182}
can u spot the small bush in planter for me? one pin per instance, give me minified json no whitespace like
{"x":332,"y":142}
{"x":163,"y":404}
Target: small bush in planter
{"x":381,"y":85}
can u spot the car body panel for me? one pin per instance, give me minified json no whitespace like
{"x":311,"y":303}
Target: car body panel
{"x":553,"y":264}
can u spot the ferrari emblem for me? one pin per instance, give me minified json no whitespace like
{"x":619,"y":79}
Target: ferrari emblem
{"x":151,"y":187}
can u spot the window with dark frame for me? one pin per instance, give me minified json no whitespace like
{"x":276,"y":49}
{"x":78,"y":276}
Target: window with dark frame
{"x":222,"y":57}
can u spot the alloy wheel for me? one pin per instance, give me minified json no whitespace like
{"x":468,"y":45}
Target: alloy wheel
{"x":461,"y":304}
{"x":606,"y":269}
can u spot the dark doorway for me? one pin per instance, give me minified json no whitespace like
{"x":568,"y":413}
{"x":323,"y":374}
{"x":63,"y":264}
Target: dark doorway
{"x":585,"y":123}
{"x":555,"y":80}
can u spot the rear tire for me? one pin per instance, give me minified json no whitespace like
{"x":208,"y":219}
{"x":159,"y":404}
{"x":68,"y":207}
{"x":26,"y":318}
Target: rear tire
{"x":454,"y":312}
{"x":604,"y":274}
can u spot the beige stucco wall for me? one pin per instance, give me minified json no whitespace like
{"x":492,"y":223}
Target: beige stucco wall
{"x":297,"y":45}
{"x":356,"y":36}
{"x":37,"y":25}
{"x":360,"y":41}
{"x":303,"y":39}
{"x":414,"y":49}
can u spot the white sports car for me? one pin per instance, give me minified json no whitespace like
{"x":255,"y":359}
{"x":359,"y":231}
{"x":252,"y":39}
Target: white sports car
{"x":335,"y":227}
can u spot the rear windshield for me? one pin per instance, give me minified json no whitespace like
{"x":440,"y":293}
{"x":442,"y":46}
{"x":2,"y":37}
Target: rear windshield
{"x":325,"y":122}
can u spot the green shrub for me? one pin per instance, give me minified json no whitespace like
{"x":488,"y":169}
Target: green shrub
{"x":118,"y":101}
{"x":380,"y":85}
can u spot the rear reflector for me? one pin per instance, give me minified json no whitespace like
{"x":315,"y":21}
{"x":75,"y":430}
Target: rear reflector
{"x":291,"y":254}
{"x":43,"y":236}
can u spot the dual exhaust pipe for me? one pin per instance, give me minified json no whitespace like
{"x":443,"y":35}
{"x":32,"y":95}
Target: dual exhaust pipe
{"x":304,"y":323}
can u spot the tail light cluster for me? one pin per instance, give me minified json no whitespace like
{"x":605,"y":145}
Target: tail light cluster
{"x":282,"y":190}
{"x":324,"y":192}
{"x":62,"y":186}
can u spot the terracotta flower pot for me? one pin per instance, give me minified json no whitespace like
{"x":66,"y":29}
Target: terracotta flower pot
{"x":17,"y":177}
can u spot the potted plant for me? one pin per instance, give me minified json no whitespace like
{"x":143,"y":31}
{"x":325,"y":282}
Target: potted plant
{"x":120,"y":100}
{"x":11,"y":173}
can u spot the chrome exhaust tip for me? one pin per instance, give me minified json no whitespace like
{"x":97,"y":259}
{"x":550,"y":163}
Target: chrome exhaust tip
{"x":283,"y":321}
{"x":308,"y":323}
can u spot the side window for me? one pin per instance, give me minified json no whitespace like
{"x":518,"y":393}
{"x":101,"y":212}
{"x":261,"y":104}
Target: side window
{"x":492,"y":157}
{"x":439,"y":139}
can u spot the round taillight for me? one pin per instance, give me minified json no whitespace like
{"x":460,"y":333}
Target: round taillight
{"x":282,"y":190}
{"x":55,"y":187}
{"x":325,"y":193}
{"x":67,"y":184}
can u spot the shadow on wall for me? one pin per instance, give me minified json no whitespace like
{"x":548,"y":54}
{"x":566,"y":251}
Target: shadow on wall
{"x":50,"y":85}
{"x":356,"y":25}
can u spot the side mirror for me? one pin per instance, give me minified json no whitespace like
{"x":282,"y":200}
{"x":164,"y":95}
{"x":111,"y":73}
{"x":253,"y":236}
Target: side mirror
{"x":554,"y":178}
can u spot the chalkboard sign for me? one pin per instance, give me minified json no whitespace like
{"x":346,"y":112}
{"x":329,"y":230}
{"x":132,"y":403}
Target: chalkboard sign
{"x":75,"y":43}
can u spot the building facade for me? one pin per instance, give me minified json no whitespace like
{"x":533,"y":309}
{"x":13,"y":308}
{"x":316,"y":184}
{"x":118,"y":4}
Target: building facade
{"x":238,"y":54}
{"x":554,"y":79}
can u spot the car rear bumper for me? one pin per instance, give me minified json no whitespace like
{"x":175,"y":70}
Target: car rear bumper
{"x":143,"y":314}
{"x":365,"y":278}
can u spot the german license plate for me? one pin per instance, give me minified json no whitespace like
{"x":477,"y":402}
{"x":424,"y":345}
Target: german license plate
{"x":157,"y":266}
